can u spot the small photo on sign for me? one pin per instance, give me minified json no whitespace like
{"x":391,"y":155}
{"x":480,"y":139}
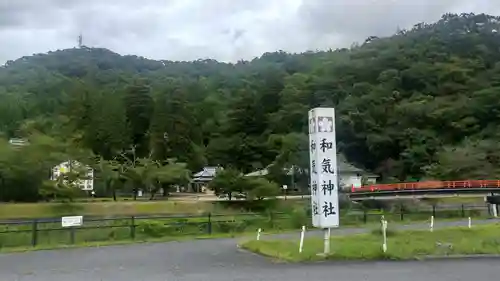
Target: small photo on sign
{"x":312,"y":126}
{"x":325,"y":124}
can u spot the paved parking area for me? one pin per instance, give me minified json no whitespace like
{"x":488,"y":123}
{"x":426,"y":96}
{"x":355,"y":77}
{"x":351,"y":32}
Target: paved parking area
{"x":220,"y":260}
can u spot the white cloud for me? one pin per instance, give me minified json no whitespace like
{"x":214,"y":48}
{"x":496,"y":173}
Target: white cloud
{"x":226,"y":30}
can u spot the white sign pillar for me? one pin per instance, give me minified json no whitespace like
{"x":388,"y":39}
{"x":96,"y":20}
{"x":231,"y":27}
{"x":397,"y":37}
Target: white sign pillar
{"x":323,"y":170}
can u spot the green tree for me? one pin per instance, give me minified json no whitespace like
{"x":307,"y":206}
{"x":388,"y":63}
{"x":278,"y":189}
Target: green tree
{"x":166,"y":175}
{"x":67,"y":184}
{"x":138,"y":108}
{"x":227,"y":182}
{"x":469,"y":160}
{"x":175,"y":132}
{"x":24,"y":170}
{"x":108,"y":134}
{"x":110,"y":172}
{"x":260,"y":188}
{"x":292,"y":160}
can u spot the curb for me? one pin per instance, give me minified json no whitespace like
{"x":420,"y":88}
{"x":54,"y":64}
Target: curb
{"x":460,"y":257}
{"x":269,"y":258}
{"x":357,"y":261}
{"x":361,"y":261}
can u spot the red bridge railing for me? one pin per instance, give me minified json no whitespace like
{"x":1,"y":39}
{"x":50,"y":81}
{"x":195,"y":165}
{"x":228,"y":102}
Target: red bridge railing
{"x":428,"y":185}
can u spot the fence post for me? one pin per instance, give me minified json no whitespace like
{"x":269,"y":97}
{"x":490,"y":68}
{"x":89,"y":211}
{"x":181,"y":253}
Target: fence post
{"x":132,"y":227}
{"x":434,"y":210}
{"x":34,"y":234}
{"x":209,"y":225}
{"x":72,"y":235}
{"x":365,"y":216}
{"x":271,"y":218}
{"x":401,"y":212}
{"x":463,"y":211}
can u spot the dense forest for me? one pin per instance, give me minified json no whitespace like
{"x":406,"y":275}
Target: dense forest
{"x":421,"y":104}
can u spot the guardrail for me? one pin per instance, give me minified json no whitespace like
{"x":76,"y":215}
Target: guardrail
{"x":428,"y":185}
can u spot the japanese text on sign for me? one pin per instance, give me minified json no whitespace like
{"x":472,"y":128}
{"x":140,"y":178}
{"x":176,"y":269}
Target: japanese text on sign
{"x":323,"y":164}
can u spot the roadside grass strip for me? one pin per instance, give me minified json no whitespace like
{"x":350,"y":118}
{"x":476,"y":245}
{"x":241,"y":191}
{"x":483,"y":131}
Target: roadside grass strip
{"x":401,"y":245}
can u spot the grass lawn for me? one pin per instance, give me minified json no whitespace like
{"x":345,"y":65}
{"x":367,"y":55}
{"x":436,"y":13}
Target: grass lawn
{"x":400,"y":245}
{"x":127,"y":242}
{"x":458,"y":200}
{"x":124,"y":208}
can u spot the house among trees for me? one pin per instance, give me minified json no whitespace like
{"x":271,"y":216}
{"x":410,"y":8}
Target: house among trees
{"x":349,"y":175}
{"x":201,"y":179}
{"x":87,"y":181}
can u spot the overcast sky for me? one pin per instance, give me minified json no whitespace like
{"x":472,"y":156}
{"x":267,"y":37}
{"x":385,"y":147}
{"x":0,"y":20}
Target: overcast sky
{"x":226,"y":30}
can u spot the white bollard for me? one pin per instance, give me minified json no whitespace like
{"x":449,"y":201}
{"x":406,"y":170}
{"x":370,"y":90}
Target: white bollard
{"x":470,"y":222}
{"x":302,"y":234}
{"x":432,"y":223}
{"x":258,"y":234}
{"x":384,"y":234}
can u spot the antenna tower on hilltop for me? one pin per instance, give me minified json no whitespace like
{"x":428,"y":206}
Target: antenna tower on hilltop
{"x":80,"y":40}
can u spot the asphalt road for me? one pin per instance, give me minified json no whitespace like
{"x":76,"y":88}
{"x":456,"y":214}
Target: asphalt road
{"x":221,"y":260}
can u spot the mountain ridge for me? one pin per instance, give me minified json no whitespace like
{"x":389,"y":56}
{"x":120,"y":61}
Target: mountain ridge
{"x":409,"y":105}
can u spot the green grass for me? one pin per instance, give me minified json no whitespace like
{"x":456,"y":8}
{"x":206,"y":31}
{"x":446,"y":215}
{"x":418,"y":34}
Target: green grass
{"x":124,"y":208}
{"x":147,"y":231}
{"x":127,"y":241}
{"x":401,"y":245}
{"x":113,"y":231}
{"x":463,"y":200}
{"x":50,"y":235}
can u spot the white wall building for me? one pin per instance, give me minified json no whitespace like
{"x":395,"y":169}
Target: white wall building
{"x":86,"y":184}
{"x":350,"y":176}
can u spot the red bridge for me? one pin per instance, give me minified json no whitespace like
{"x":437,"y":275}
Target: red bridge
{"x":426,"y":189}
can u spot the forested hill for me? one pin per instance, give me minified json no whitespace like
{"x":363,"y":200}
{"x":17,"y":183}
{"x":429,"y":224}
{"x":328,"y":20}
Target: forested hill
{"x":422,"y":103}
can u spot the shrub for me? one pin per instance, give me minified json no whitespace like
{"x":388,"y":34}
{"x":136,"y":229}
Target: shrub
{"x":299,"y":217}
{"x":375,"y":204}
{"x":153,"y":228}
{"x":389,"y":232}
{"x":250,"y":205}
{"x":259,"y":188}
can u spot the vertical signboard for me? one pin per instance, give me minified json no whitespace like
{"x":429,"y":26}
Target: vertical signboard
{"x":323,"y":165}
{"x":313,"y":184}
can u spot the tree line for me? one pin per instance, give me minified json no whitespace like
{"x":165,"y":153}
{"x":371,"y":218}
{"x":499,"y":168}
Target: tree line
{"x":418,"y":105}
